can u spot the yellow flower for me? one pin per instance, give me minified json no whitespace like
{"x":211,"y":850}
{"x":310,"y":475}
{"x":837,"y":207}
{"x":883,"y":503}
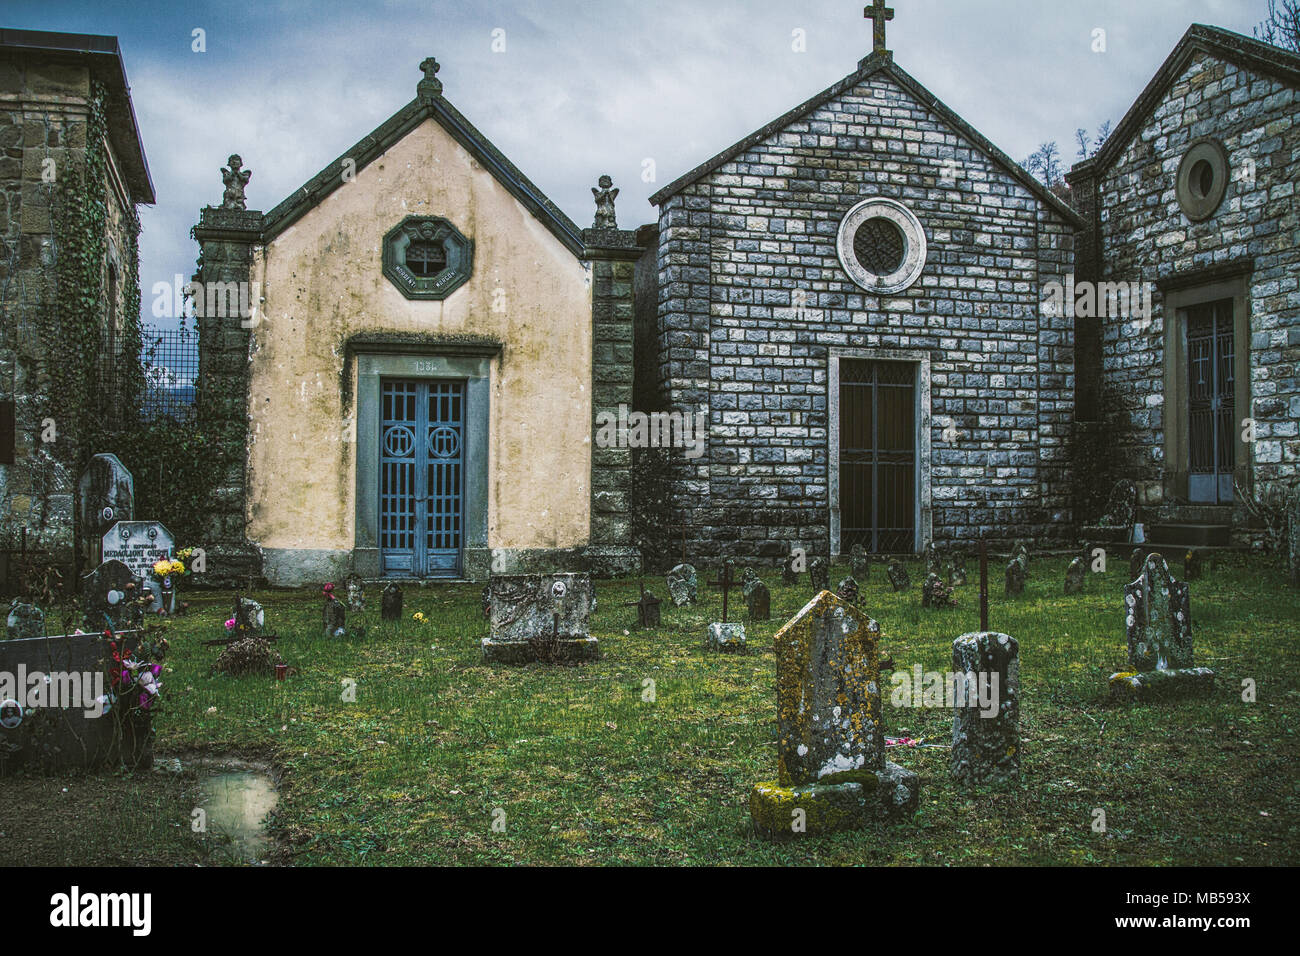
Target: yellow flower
{"x":418,"y":618}
{"x":162,"y":568}
{"x":177,"y":567}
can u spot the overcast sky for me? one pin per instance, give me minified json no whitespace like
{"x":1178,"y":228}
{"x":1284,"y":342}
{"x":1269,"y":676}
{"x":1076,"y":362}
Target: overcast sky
{"x":584,"y":87}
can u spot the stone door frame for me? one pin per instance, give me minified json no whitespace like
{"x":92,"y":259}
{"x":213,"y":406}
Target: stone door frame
{"x":474,"y":368}
{"x":1175,"y":437}
{"x":924,"y":514}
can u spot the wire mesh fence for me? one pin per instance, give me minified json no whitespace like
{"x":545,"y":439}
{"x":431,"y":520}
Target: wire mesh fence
{"x":170,"y":358}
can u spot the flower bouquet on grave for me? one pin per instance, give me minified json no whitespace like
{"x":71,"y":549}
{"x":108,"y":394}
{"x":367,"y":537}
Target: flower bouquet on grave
{"x":134,"y":692}
{"x":168,"y":572}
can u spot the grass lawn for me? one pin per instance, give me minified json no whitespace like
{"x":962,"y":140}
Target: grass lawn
{"x":580,"y":769}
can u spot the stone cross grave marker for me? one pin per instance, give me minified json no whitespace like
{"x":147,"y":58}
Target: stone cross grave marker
{"x":540,"y":617}
{"x":860,"y":563}
{"x":1158,"y":621}
{"x":830,"y":733}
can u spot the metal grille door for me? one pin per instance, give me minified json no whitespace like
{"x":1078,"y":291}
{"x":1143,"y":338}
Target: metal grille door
{"x":1211,"y":390}
{"x":421,"y":490}
{"x":878,"y":456}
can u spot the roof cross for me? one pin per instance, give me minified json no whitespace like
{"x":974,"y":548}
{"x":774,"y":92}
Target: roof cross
{"x":881,"y":14}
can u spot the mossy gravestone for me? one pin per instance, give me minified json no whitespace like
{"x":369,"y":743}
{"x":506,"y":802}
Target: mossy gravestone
{"x":683,"y":585}
{"x":830,"y":733}
{"x":541,"y":617}
{"x":898,"y":575}
{"x":25,"y":621}
{"x":1075,"y":575}
{"x":1158,"y":619}
{"x":986,"y":733}
{"x":860,"y":563}
{"x":1017,"y":572}
{"x":819,"y":575}
{"x":758,"y":599}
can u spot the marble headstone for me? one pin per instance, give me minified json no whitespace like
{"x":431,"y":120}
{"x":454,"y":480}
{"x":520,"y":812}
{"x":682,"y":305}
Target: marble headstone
{"x":541,"y":617}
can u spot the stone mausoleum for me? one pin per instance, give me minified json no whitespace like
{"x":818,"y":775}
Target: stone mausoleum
{"x":857,"y":298}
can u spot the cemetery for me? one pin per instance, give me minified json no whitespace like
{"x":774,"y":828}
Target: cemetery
{"x":562,"y":727}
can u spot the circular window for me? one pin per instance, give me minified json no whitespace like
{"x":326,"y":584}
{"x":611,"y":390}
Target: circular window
{"x":1202,"y":179}
{"x":882,"y":246}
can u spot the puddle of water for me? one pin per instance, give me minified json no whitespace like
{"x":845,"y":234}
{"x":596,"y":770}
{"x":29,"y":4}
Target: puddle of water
{"x":237,"y":804}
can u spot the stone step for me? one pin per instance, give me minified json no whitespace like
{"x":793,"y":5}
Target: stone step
{"x":1178,"y":535}
{"x":1193,"y":514}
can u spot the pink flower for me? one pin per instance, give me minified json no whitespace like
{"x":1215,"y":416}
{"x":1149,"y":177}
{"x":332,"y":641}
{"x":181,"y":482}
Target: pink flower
{"x":230,"y":625}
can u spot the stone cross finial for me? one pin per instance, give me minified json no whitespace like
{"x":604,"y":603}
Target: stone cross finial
{"x":605,"y":216}
{"x":881,"y":14}
{"x":429,"y":87}
{"x":236,"y":178}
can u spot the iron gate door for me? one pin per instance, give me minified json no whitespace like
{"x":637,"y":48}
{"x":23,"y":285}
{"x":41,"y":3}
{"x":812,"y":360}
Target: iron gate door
{"x":1211,"y":413}
{"x":421,"y":475}
{"x":877,"y":456}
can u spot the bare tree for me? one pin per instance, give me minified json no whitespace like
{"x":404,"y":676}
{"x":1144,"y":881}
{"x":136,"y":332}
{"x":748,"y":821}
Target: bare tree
{"x":1045,"y":163}
{"x":1282,"y":28}
{"x":1084,"y":140}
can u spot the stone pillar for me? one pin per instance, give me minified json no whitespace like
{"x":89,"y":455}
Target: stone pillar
{"x":227,"y":237}
{"x":986,"y":735}
{"x":612,"y":254}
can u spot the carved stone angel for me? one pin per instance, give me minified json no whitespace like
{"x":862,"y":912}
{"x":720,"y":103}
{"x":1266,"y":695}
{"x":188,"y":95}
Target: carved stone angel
{"x":235,"y":178}
{"x":605,"y":197}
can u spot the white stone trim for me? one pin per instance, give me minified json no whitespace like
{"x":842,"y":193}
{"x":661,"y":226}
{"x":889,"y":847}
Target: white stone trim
{"x":913,"y":234}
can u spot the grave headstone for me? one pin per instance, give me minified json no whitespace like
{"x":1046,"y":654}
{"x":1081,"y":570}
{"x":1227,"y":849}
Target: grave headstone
{"x":860,"y":563}
{"x":1115,"y":526}
{"x":1075,"y":575}
{"x":356,"y":595}
{"x":390,"y":605}
{"x":541,"y":618}
{"x":683,"y":585}
{"x":726,"y":638}
{"x":758,"y":599}
{"x":647,"y":608}
{"x":936,"y":594}
{"x":986,"y":743}
{"x":1021,"y":550}
{"x":250,"y":618}
{"x":334,"y":618}
{"x":933,"y":559}
{"x":140,"y":545}
{"x":819,"y":575}
{"x":110,"y":591}
{"x":830,"y":735}
{"x":1158,"y":621}
{"x":788,"y":573}
{"x":107,"y":493}
{"x":898,"y":576}
{"x":957,"y":568}
{"x":848,"y":591}
{"x":1135,"y":562}
{"x":1016,"y":575}
{"x":25,"y":621}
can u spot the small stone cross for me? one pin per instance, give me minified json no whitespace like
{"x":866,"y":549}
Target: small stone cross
{"x":881,"y":14}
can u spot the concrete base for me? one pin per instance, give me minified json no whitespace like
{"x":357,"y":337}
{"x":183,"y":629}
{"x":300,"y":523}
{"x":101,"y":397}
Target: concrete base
{"x":572,"y":651}
{"x":890,"y":794}
{"x":1162,"y":685}
{"x":726,"y":638}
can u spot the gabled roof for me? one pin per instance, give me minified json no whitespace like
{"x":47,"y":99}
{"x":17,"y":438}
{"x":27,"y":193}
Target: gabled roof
{"x":392,"y":130}
{"x":104,"y":59}
{"x":1249,"y":54}
{"x":877,"y":63}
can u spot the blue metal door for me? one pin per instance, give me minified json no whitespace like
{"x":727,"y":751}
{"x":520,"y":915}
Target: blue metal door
{"x":421,"y":475}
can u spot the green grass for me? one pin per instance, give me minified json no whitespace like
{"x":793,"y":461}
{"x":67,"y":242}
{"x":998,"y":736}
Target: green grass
{"x":586,"y":771}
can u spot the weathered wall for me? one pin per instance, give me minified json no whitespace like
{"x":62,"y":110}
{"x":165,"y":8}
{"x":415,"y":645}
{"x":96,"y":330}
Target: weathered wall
{"x":1145,"y":235}
{"x":44,"y":109}
{"x":323,"y":284}
{"x":738,"y":244}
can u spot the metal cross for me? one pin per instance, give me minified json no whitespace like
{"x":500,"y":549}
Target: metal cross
{"x":984,"y":585}
{"x":726,"y":582}
{"x":881,"y":14}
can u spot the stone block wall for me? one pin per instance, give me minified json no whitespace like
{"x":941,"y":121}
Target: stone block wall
{"x":1145,"y":235}
{"x":737,"y":245}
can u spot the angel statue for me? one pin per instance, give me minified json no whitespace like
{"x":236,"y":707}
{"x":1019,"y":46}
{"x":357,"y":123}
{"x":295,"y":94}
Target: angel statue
{"x":235,"y":178}
{"x":605,"y":197}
